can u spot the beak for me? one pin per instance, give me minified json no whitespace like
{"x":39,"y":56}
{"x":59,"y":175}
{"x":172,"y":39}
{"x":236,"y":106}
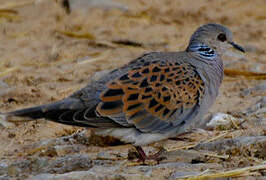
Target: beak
{"x":238,"y":47}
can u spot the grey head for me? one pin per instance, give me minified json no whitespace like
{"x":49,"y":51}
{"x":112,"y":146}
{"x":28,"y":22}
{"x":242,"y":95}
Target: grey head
{"x":212,"y":40}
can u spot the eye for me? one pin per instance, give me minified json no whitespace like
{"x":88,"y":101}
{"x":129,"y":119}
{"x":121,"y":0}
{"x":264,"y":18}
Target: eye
{"x":221,"y":37}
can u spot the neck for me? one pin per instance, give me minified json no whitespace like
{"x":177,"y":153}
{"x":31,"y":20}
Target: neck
{"x":212,"y":64}
{"x":202,"y":50}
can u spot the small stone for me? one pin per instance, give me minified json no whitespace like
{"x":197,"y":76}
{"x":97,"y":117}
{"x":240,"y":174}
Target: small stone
{"x":4,"y":177}
{"x":257,"y":106}
{"x":62,"y":150}
{"x":257,"y":90}
{"x":245,"y":145}
{"x":4,"y":123}
{"x":50,"y":152}
{"x":4,"y":88}
{"x":19,"y":167}
{"x":223,"y":121}
{"x":3,"y":168}
{"x":132,"y":154}
{"x":70,"y":163}
{"x":39,"y":164}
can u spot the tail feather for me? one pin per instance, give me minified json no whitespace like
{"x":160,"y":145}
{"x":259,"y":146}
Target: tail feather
{"x":49,"y":111}
{"x":4,"y":122}
{"x":65,"y":112}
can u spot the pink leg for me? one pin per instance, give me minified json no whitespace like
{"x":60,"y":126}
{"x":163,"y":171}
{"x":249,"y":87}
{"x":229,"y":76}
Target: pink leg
{"x":143,"y":156}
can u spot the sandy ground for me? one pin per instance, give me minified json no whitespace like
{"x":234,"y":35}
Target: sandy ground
{"x":40,"y":64}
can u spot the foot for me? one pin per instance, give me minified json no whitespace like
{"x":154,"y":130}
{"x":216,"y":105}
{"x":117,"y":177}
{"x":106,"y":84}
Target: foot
{"x":143,"y":156}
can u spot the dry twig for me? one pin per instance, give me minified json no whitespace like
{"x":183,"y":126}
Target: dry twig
{"x":247,"y":74}
{"x":247,"y":171}
{"x":15,"y":4}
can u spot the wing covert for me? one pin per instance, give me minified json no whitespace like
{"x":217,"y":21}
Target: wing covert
{"x":152,"y":96}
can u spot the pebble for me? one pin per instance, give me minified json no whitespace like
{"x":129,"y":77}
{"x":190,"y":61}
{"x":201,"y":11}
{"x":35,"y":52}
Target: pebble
{"x":237,"y":146}
{"x":257,"y":90}
{"x":37,"y":165}
{"x":259,"y":105}
{"x":4,"y":88}
{"x":224,"y":121}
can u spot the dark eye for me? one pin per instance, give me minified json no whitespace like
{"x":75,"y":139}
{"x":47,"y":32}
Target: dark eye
{"x":221,"y":37}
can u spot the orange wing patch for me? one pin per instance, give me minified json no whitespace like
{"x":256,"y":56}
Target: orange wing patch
{"x":156,"y":88}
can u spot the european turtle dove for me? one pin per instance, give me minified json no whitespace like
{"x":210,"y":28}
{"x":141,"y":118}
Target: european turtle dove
{"x":154,"y":97}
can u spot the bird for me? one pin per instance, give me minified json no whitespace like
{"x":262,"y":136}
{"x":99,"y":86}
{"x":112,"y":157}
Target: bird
{"x":154,"y":97}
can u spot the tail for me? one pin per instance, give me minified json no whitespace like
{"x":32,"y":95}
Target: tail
{"x":53,"y":112}
{"x":49,"y":111}
{"x":68,"y":111}
{"x":4,"y":121}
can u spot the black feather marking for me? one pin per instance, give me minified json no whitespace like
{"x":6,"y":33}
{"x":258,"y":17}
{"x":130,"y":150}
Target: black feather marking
{"x":136,"y":68}
{"x":162,"y":77}
{"x":148,"y":89}
{"x":78,"y":115}
{"x":144,"y":83}
{"x":66,"y":116}
{"x":158,"y":84}
{"x":158,"y":108}
{"x":166,"y":111}
{"x":124,"y":77}
{"x":169,"y":80}
{"x":133,"y":97}
{"x":153,"y":103}
{"x":146,"y":71}
{"x":177,"y":83}
{"x":111,"y":105}
{"x":136,"y":75}
{"x":146,"y":97}
{"x":204,"y":49}
{"x":137,"y":114}
{"x":173,"y":112}
{"x":175,"y":68}
{"x":156,"y":69}
{"x":130,"y":88}
{"x":186,"y":80}
{"x":146,"y":64}
{"x":90,"y":113}
{"x":164,"y":89}
{"x":133,"y":106}
{"x":172,"y":74}
{"x":166,"y":98}
{"x":153,"y":78}
{"x":113,"y":92}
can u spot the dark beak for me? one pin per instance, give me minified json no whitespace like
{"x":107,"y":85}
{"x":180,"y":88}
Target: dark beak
{"x":236,"y":46}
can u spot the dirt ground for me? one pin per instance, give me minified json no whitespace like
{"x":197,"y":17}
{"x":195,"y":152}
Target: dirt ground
{"x":47,"y":54}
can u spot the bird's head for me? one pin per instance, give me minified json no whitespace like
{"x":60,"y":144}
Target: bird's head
{"x":212,"y":37}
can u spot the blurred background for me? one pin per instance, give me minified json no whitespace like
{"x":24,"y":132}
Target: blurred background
{"x":50,"y":48}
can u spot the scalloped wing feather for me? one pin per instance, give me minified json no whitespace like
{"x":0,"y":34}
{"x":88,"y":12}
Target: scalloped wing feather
{"x":153,"y":95}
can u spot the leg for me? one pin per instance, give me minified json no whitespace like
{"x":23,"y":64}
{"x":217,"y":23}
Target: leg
{"x":143,"y":156}
{"x":141,"y":153}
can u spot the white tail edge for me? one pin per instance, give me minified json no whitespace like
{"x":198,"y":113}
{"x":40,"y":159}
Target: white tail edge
{"x":4,"y":122}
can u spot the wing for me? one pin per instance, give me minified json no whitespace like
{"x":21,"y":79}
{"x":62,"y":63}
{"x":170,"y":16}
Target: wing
{"x":151,"y":93}
{"x":153,"y":96}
